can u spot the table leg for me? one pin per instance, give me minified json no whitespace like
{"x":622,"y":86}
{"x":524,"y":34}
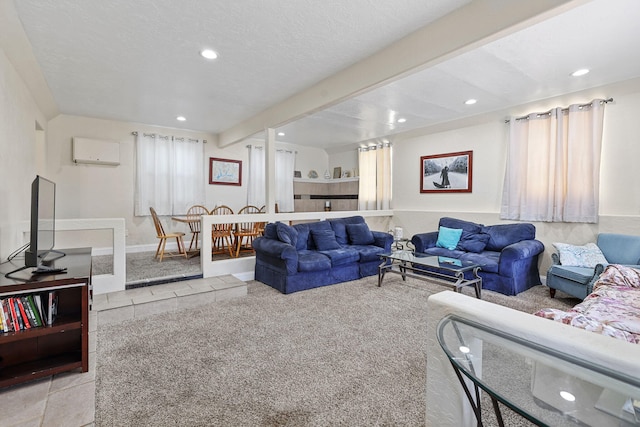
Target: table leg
{"x":478,"y":283}
{"x":382,"y":268}
{"x":403,"y":270}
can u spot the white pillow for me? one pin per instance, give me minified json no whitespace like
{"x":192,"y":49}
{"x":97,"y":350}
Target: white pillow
{"x":588,"y":255}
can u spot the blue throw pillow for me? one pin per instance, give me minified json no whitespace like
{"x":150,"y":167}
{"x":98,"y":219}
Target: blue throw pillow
{"x":448,"y":237}
{"x":287,"y":234}
{"x":473,"y":242}
{"x":325,"y":240}
{"x":303,"y":236}
{"x":359,"y":234}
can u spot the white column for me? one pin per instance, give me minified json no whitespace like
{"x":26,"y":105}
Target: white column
{"x":270,"y":168}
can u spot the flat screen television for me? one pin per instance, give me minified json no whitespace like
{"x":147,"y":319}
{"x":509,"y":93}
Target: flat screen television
{"x":40,"y":252}
{"x":43,"y":216}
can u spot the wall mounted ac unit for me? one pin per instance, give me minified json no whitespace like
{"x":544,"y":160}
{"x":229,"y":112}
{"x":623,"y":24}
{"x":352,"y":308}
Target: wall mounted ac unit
{"x":96,"y":151}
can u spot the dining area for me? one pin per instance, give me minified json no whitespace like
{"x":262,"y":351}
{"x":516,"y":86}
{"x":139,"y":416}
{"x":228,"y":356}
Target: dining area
{"x":229,"y":240}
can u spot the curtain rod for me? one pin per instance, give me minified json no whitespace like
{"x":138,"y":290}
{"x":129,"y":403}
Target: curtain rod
{"x":588,"y":104}
{"x":260,"y":147}
{"x":175,"y":138}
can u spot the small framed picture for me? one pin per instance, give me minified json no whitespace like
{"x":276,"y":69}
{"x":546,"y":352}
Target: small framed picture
{"x":297,"y":174}
{"x":225,"y":171}
{"x":337,"y":172}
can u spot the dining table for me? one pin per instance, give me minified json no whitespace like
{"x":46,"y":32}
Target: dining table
{"x":188,"y":220}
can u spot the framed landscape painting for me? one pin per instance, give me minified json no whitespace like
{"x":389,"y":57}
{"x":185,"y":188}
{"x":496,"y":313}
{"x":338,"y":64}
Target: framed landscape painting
{"x":225,"y":171}
{"x":446,"y":173}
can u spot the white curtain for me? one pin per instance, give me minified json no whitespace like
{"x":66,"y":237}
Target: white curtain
{"x":256,"y":187}
{"x":284,"y":164}
{"x":169,"y":174}
{"x":375,"y":177}
{"x":553,"y":166}
{"x":383,"y":176}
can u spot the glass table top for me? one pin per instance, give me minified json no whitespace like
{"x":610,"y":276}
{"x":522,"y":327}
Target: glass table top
{"x":427,"y":260}
{"x":541,"y":384}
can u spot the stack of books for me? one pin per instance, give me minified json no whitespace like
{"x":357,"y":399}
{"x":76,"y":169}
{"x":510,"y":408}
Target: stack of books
{"x":22,"y":312}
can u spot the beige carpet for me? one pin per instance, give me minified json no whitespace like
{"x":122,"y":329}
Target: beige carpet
{"x":347,"y":354}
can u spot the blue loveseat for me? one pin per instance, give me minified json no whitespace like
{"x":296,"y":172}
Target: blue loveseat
{"x":507,"y":253}
{"x":578,"y":278}
{"x":305,"y":256}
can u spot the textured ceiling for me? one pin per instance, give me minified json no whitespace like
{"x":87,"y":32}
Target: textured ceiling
{"x":138,"y":61}
{"x":529,"y":65}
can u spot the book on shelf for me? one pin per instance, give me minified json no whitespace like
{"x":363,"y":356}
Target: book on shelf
{"x":34,"y":309}
{"x":3,"y":320}
{"x":7,"y":313}
{"x":50,"y":307}
{"x":23,"y":313}
{"x":15,"y":311}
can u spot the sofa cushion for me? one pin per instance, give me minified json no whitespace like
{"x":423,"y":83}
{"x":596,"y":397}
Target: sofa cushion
{"x":444,"y":252}
{"x":312,"y":261}
{"x":340,"y":228}
{"x":325,"y":240}
{"x":286,"y":233}
{"x":359,"y":234}
{"x":473,"y":242}
{"x":270,"y":231}
{"x":303,"y":236}
{"x":368,"y":252}
{"x":620,"y":248}
{"x":469,"y":226}
{"x":503,"y":235}
{"x":448,"y":237}
{"x":489,"y":261}
{"x":575,"y":274}
{"x":342,"y":256}
{"x":588,"y":255}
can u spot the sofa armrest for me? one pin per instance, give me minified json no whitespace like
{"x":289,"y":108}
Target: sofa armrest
{"x":424,"y":241}
{"x":383,"y":240}
{"x":555,"y":258}
{"x":513,"y":253}
{"x":597,"y":271}
{"x":279,"y":250}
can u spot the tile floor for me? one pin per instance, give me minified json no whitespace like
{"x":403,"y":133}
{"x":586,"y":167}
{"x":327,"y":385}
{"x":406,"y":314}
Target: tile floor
{"x":68,"y":399}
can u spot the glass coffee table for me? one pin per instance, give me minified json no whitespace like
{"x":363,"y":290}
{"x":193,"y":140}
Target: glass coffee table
{"x":437,"y":269}
{"x":541,"y":384}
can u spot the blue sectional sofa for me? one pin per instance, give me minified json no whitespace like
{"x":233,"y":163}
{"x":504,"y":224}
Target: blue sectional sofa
{"x":305,"y":256}
{"x":507,"y":253}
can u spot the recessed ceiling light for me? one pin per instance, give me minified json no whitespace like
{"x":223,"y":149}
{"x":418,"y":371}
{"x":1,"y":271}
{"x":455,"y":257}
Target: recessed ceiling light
{"x":209,"y":54}
{"x":402,"y":120}
{"x":580,"y":72}
{"x":470,"y":101}
{"x":280,"y":133}
{"x":181,"y":118}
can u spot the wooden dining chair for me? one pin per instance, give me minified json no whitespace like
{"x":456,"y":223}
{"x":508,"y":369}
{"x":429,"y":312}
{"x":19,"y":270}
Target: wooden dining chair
{"x":178,"y":235}
{"x":222,"y":234}
{"x":193,"y":216}
{"x":247,"y":231}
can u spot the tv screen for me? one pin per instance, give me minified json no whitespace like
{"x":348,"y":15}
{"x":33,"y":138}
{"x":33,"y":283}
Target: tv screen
{"x":43,"y":202}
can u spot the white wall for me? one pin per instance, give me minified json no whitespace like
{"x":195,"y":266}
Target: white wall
{"x":18,"y":161}
{"x":98,"y":191}
{"x":619,"y":191}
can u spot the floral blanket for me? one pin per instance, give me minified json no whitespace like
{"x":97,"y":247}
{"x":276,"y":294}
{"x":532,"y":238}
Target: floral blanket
{"x":612,"y":309}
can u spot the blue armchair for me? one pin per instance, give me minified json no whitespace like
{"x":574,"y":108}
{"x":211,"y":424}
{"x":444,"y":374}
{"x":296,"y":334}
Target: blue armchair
{"x":578,"y":281}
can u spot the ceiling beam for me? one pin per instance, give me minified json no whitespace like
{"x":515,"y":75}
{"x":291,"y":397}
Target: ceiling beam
{"x":478,"y":23}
